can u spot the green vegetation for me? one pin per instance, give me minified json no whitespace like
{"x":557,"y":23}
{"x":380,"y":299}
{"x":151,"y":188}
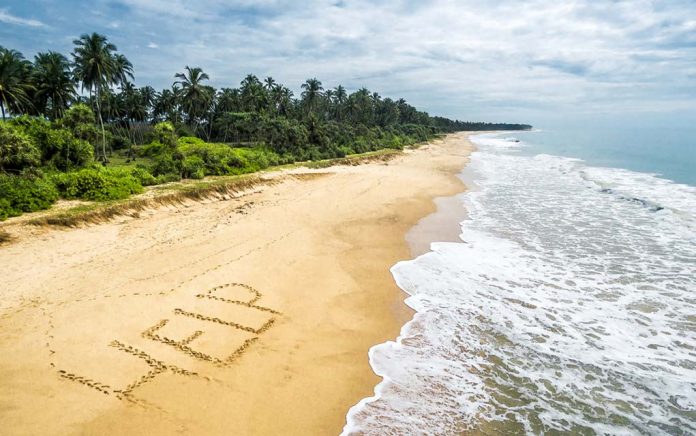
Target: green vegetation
{"x":108,"y":144}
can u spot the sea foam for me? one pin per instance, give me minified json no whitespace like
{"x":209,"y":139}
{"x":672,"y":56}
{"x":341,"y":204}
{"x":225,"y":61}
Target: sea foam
{"x":569,"y":305}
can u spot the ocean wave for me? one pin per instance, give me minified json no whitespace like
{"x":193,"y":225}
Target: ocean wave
{"x":569,"y":306}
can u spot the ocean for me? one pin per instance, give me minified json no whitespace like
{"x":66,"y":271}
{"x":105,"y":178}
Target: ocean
{"x":568,"y":307}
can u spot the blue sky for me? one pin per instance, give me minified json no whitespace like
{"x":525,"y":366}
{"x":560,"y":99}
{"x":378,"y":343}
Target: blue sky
{"x":538,"y":61}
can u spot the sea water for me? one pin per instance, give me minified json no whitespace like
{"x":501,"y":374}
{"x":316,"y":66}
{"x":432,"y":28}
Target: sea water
{"x":568,"y":307}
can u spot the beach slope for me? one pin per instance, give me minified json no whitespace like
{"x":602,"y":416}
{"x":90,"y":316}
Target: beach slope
{"x":252,"y":315}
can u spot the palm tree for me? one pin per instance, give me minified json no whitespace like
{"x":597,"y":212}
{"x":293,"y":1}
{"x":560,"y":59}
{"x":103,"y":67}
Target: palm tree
{"x":340,"y":97}
{"x":269,"y":83}
{"x":53,"y":82}
{"x":195,"y":96}
{"x":283,"y":99}
{"x":95,"y":66}
{"x":312,"y":91}
{"x":123,"y":70}
{"x":253,"y":93}
{"x":164,"y":106}
{"x":148,"y":95}
{"x":14,"y":81}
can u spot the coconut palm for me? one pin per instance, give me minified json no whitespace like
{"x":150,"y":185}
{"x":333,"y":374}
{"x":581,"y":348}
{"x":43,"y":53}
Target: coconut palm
{"x":195,"y":96}
{"x":14,"y":81}
{"x":253,"y":93}
{"x":149,"y":95}
{"x":269,"y":83}
{"x":311,"y":92}
{"x":96,"y":68}
{"x":53,"y":82}
{"x":123,"y":70}
{"x":165,"y":106}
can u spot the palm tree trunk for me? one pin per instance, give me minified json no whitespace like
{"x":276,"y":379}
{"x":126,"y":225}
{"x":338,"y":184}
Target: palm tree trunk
{"x":2,"y":106}
{"x":101,"y":123}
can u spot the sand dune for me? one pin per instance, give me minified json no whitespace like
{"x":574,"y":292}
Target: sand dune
{"x":247,"y":316}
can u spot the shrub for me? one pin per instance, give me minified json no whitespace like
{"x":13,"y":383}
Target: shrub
{"x":190,"y":140}
{"x":166,"y":163}
{"x":58,"y":146}
{"x":78,"y":114}
{"x":152,"y":149}
{"x":193,"y":167}
{"x":97,"y":184}
{"x":221,"y":159}
{"x":80,"y":119}
{"x":165,"y":134}
{"x":25,"y":194}
{"x":120,"y":142}
{"x":17,"y":149}
{"x":143,"y":176}
{"x":167,"y":178}
{"x":64,"y":151}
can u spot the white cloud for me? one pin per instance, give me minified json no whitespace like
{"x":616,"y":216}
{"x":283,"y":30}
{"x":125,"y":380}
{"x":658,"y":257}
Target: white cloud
{"x":8,"y":18}
{"x":461,"y":58}
{"x":152,"y":45}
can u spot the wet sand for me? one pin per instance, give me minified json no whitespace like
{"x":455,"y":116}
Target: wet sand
{"x":246,"y":316}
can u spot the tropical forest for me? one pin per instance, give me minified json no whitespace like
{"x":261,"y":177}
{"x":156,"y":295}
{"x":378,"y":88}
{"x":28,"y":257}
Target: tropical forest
{"x":75,"y":126}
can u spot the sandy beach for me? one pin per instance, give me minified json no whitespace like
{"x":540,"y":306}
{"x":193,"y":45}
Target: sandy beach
{"x":252,"y":315}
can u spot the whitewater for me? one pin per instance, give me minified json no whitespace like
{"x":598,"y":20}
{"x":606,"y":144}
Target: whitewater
{"x":568,"y":306}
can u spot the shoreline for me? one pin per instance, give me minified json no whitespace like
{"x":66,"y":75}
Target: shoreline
{"x":315,"y":251}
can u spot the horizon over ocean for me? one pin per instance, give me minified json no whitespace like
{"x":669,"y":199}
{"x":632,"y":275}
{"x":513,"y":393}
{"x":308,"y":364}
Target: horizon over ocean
{"x":668,"y":152}
{"x":568,"y":306}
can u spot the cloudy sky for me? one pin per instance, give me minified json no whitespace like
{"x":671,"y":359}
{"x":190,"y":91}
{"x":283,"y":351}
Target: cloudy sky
{"x":513,"y":60}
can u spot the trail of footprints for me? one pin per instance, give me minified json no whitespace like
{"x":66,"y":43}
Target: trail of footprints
{"x":158,"y":367}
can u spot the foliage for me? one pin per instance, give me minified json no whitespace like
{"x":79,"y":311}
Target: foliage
{"x":221,"y":159}
{"x":59,"y":148}
{"x":143,"y":176}
{"x":97,"y":183}
{"x":165,"y":133}
{"x":53,"y":82}
{"x":190,"y":130}
{"x":20,"y":194}
{"x":18,"y":150}
{"x":193,"y":167}
{"x":15,"y":85}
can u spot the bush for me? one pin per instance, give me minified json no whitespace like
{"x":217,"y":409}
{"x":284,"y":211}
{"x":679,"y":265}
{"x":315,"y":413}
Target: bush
{"x":143,"y":176}
{"x":152,"y":149}
{"x":25,"y":194}
{"x":80,"y":119}
{"x":193,"y":167}
{"x":221,"y":159}
{"x":97,"y":184}
{"x":17,"y":149}
{"x":58,"y":145}
{"x":64,"y":151}
{"x":166,"y":163}
{"x":165,"y":134}
{"x":167,"y":178}
{"x":190,"y":140}
{"x":120,"y":142}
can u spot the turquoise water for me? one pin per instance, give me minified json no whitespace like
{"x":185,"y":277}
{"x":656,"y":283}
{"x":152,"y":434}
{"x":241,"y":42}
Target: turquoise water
{"x":667,"y":152}
{"x":569,"y":305}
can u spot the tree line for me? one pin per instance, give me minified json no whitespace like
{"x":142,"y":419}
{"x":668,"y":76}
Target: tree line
{"x":69,"y":113}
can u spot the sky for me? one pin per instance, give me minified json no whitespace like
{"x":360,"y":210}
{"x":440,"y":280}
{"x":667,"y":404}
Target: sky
{"x":537,"y":61}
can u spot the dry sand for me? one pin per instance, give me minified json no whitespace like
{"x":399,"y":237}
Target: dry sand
{"x":246,"y":316}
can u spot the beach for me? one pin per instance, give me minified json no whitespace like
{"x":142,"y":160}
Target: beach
{"x":250,"y":315}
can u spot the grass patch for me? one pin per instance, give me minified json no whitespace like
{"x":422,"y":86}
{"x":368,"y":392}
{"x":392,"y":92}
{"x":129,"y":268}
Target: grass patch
{"x":120,"y":160}
{"x":355,"y":159}
{"x":178,"y":193}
